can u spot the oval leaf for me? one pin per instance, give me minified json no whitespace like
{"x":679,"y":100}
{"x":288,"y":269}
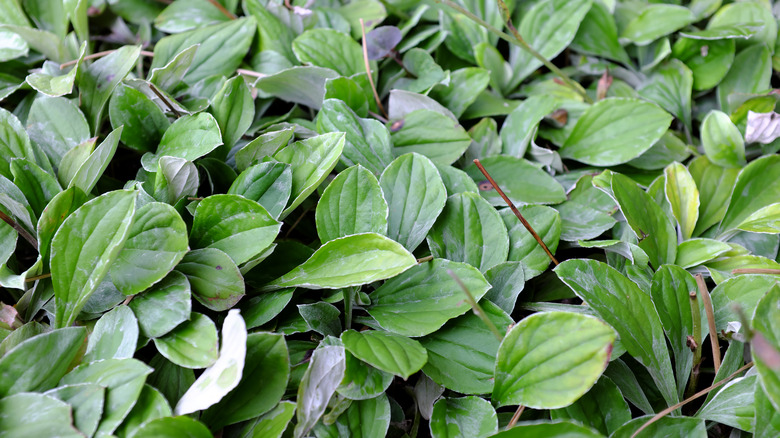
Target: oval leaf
{"x":388,"y":352}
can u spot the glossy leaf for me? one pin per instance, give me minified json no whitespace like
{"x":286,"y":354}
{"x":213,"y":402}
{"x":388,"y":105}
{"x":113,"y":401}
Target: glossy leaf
{"x":175,"y":179}
{"x":598,"y":34}
{"x":423,"y":298}
{"x":362,"y":381}
{"x":655,"y":21}
{"x":523,"y":247}
{"x":233,"y":109}
{"x":215,"y":279}
{"x":164,"y":306}
{"x":170,"y":427}
{"x":269,"y":184}
{"x":715,"y":184}
{"x":97,"y":82}
{"x":543,"y":430}
{"x":388,"y":352}
{"x":144,"y":122}
{"x":722,"y":141}
{"x":733,"y":405}
{"x":580,"y":346}
{"x":189,"y":137}
{"x":587,"y":213}
{"x":602,"y":408}
{"x":683,"y":197}
{"x":520,"y":180}
{"x":115,"y":336}
{"x":697,"y":251}
{"x":754,"y":189}
{"x":14,"y":142}
{"x":319,"y":383}
{"x":432,"y":134}
{"x":86,"y":399}
{"x":466,"y":416}
{"x":273,"y":423}
{"x":351,"y":204}
{"x":750,"y":73}
{"x":192,"y":344}
{"x":349,"y":261}
{"x":629,"y":310}
{"x":80,"y":261}
{"x":56,"y":125}
{"x":31,"y":414}
{"x":150,"y":406}
{"x":304,"y":85}
{"x":614,"y":131}
{"x":363,"y":418}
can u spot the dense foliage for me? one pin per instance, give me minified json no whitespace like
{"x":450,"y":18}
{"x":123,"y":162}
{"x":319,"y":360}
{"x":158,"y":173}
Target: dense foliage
{"x":264,"y":218}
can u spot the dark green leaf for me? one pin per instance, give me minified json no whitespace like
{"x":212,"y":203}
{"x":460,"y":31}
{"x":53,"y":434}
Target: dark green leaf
{"x":163,"y":306}
{"x":215,"y":279}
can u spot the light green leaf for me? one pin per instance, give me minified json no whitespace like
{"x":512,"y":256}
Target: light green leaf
{"x":574,"y":350}
{"x":707,"y":70}
{"x":670,"y":87}
{"x":546,"y":430}
{"x":87,"y":400}
{"x":362,"y":381}
{"x":222,"y":47}
{"x":304,"y":85}
{"x":264,"y":145}
{"x":170,"y":75}
{"x":469,"y":230}
{"x":694,"y":252}
{"x":151,"y":405}
{"x":598,"y":35}
{"x":97,"y":81}
{"x":523,"y":247}
{"x":215,"y":279}
{"x":52,"y":217}
{"x":156,"y":243}
{"x":175,"y":179}
{"x":234,"y":109}
{"x":263,"y":382}
{"x":519,"y":128}
{"x":23,"y":368}
{"x":238,"y":226}
{"x":348,"y":261}
{"x":620,"y":302}
{"x":330,"y":49}
{"x":193,"y":344}
{"x":172,"y":427}
{"x":73,"y":160}
{"x":14,"y":143}
{"x":756,"y":187}
{"x":466,"y":416}
{"x":432,"y":134}
{"x":271,"y":424}
{"x":684,"y":426}
{"x":668,"y":149}
{"x":722,"y":141}
{"x":767,"y":417}
{"x":423,"y":298}
{"x":31,"y":414}
{"x":186,"y":15}
{"x":729,"y":31}
{"x":630,"y":251}
{"x":269,"y":184}
{"x":319,"y":383}
{"x":764,"y":220}
{"x":80,"y":260}
{"x":367,"y":140}
{"x":465,"y":85}
{"x":189,"y":137}
{"x":715,"y":184}
{"x":415,"y":196}
{"x":648,"y":222}
{"x":115,"y":336}
{"x":750,"y":73}
{"x":264,"y":307}
{"x":55,"y":126}
{"x":48,"y":44}
{"x":224,"y":375}
{"x":733,"y":405}
{"x":614,"y":131}
{"x":587,"y":212}
{"x":520,"y":180}
{"x":362,"y":419}
{"x":388,"y":352}
{"x":748,"y":13}
{"x":683,"y":197}
{"x":655,"y":21}
{"x":87,"y":175}
{"x":351,"y":204}
{"x":55,"y":84}
{"x":311,"y":160}
{"x":765,"y":345}
{"x":144,"y":122}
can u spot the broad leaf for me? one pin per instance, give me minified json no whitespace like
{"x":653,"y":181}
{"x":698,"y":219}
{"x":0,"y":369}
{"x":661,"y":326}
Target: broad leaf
{"x":722,"y":141}
{"x":233,"y":109}
{"x":520,"y":180}
{"x":655,"y":21}
{"x":602,"y":408}
{"x":683,"y":197}
{"x":164,"y":306}
{"x":97,"y":82}
{"x":32,"y":414}
{"x":432,"y":134}
{"x":319,"y":383}
{"x":215,"y":279}
{"x":388,"y":352}
{"x":330,"y":49}
{"x":523,"y":247}
{"x":467,"y":416}
{"x":754,"y":189}
{"x":115,"y":336}
{"x":193,"y":344}
{"x":269,"y":184}
{"x":189,"y":137}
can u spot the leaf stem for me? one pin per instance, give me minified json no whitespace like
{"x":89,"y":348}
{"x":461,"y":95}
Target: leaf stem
{"x":100,"y":55}
{"x":254,"y":74}
{"x":707,"y":302}
{"x":165,"y":101}
{"x":425,"y":259}
{"x":19,"y":229}
{"x":704,"y":391}
{"x":368,"y":70}
{"x":695,"y":342}
{"x":475,"y":306}
{"x":37,"y":277}
{"x":516,"y":211}
{"x":755,"y":271}
{"x":515,"y":417}
{"x":518,"y":40}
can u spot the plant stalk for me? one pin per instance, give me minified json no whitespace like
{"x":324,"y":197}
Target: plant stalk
{"x":19,"y":229}
{"x":695,"y":345}
{"x":707,"y":302}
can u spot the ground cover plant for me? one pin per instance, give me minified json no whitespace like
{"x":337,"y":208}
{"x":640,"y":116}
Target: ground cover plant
{"x":266,"y":218}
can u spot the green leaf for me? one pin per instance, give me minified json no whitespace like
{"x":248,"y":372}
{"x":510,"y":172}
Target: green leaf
{"x":466,"y":416}
{"x":170,"y":75}
{"x":469,"y":230}
{"x":151,"y":405}
{"x":602,"y":408}
{"x":415,"y":196}
{"x":330,"y":49}
{"x":668,"y":149}
{"x":520,"y":126}
{"x":598,"y":35}
{"x":432,"y":134}
{"x":269,"y":184}
{"x":222,"y":47}
{"x":683,"y":197}
{"x":14,"y":46}
{"x":115,"y":336}
{"x":765,"y":345}
{"x":97,"y":82}
{"x":311,"y":160}
{"x":238,"y":226}
{"x":465,"y":85}
{"x":349,"y":261}
{"x":548,"y":27}
{"x":222,"y":376}
{"x":304,"y":85}
{"x":620,"y":302}
{"x":697,"y":251}
{"x":144,"y":122}
{"x":48,"y":44}
{"x":574,"y":349}
{"x":264,"y":307}
{"x":648,"y":222}
{"x":722,"y":141}
{"x":193,"y":344}
{"x":163,"y":306}
{"x":87,"y":400}
{"x":189,"y":137}
{"x":156,"y":243}
{"x":271,"y":424}
{"x":523,"y":247}
{"x":655,"y":21}
{"x":362,"y":381}
{"x":388,"y":352}
{"x":14,"y":142}
{"x":264,"y":145}
{"x":715,"y":184}
{"x":123,"y":380}
{"x":670,"y":87}
{"x":520,"y":180}
{"x":23,"y":368}
{"x":750,"y":73}
{"x":175,"y":179}
{"x":52,"y":82}
{"x":36,"y":415}
{"x":321,"y":317}
{"x":462,"y":354}
{"x":319,"y":383}
{"x":545,"y":430}
{"x":52,"y":217}
{"x":263,"y":381}
{"x":683,"y":426}
{"x":215,"y":279}
{"x":80,"y":260}
{"x":767,"y":417}
{"x":614,"y":131}
{"x":709,"y":61}
{"x":73,"y":160}
{"x":423,"y":298}
{"x":234,"y":110}
{"x":349,"y":91}
{"x":38,"y":186}
{"x":363,"y":418}
{"x":367,"y":140}
{"x":351,"y":204}
{"x":172,"y":427}
{"x":188,"y":15}
{"x":55,"y":126}
{"x":507,"y":280}
{"x":587,"y":213}
{"x":733,"y":405}
{"x":424,"y":68}
{"x":755,"y":188}
{"x":749,"y":13}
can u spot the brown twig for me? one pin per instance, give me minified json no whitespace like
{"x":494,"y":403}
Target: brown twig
{"x":704,"y":391}
{"x":165,"y":101}
{"x":425,"y":259}
{"x":37,"y":277}
{"x":515,"y":417}
{"x":515,"y":211}
{"x":99,"y":55}
{"x":707,"y":302}
{"x":127,"y":300}
{"x":254,"y":74}
{"x":222,"y":9}
{"x":368,"y":70}
{"x":755,"y":271}
{"x":19,"y":229}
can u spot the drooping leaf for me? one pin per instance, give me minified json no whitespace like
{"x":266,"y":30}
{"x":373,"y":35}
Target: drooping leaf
{"x":319,"y":383}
